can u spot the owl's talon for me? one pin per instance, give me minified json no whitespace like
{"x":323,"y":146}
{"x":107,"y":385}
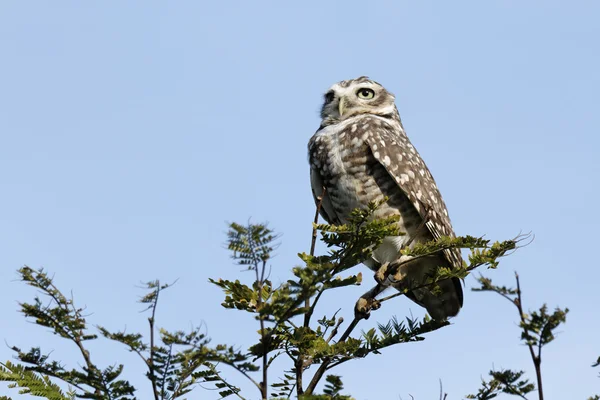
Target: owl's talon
{"x":375,"y":304}
{"x":363,"y":307}
{"x":380,"y":275}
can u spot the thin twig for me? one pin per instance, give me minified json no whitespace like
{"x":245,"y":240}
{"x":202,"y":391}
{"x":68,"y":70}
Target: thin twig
{"x":311,"y":308}
{"x":335,"y":329}
{"x":263,"y":336}
{"x":316,"y":220}
{"x":299,"y":365}
{"x":443,"y":395}
{"x":323,"y":367}
{"x":333,"y":318}
{"x":291,"y":391}
{"x":502,"y":294}
{"x":151,"y":359}
{"x":76,"y":337}
{"x":231,"y":387}
{"x":537,"y":360}
{"x":264,"y":339}
{"x":166,"y":374}
{"x":251,"y":379}
{"x":312,"y":253}
{"x":513,"y":390}
{"x":391,"y":296}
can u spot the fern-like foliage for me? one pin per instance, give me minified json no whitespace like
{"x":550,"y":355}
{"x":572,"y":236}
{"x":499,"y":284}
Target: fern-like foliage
{"x":177,"y":362}
{"x":348,"y":245}
{"x":504,"y":381}
{"x":32,"y":383}
{"x":251,"y":244}
{"x":537,"y":331}
{"x":67,"y":321}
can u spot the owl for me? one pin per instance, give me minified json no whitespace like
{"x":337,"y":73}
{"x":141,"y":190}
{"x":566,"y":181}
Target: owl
{"x":361,"y":154}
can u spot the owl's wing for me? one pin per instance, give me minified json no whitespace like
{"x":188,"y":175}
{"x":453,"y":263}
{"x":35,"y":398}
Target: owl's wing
{"x":401,"y":160}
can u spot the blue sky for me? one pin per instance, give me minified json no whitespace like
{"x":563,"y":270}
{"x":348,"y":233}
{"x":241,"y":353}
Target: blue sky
{"x":130,"y":132}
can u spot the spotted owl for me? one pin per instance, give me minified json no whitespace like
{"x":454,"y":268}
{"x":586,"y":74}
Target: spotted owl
{"x":361,"y":154}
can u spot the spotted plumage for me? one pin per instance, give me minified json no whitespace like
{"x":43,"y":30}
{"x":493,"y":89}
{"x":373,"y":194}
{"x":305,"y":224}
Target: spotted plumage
{"x":360,"y":154}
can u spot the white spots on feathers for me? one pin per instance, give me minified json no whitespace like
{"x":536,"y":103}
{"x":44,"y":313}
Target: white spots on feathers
{"x":439,"y":227}
{"x":344,"y":153}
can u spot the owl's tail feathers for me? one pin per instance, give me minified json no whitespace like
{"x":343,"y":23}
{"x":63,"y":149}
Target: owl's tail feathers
{"x":444,"y":305}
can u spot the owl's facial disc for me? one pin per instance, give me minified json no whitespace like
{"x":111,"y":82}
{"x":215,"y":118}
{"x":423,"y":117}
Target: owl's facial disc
{"x":347,"y":99}
{"x":363,"y":93}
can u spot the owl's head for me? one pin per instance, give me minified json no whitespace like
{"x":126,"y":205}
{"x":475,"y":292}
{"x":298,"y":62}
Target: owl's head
{"x":349,"y":98}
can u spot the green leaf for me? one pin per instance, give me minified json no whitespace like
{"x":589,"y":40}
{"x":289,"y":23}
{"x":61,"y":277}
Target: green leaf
{"x":31,"y":382}
{"x":503,"y":381}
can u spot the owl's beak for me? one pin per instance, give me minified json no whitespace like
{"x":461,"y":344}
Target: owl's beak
{"x":341,"y":106}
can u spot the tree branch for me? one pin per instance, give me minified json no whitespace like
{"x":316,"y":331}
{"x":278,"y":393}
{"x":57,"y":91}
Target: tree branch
{"x":299,"y":365}
{"x":258,"y":386}
{"x":264,"y":390}
{"x":151,"y":359}
{"x":316,"y":220}
{"x":234,"y":389}
{"x":323,"y":367}
{"x":312,"y":253}
{"x":537,"y":361}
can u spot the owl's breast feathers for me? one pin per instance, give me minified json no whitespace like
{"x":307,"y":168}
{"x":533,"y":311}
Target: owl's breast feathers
{"x":367,"y":158}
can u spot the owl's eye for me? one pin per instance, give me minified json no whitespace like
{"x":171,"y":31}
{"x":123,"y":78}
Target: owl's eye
{"x":329,"y":96}
{"x":365,"y":93}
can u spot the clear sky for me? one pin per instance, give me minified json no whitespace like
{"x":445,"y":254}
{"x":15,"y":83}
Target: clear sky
{"x":131,"y":131}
